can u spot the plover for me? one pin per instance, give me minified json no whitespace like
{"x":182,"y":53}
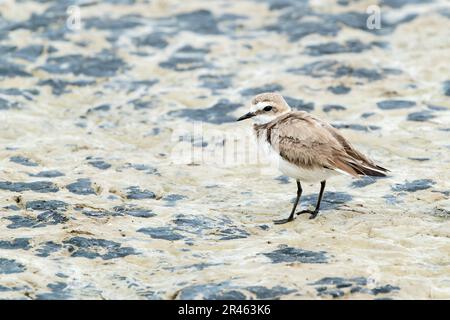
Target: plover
{"x":304,"y":147}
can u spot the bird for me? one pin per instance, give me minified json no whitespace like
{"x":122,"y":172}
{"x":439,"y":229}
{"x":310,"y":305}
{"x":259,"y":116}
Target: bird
{"x":304,"y":147}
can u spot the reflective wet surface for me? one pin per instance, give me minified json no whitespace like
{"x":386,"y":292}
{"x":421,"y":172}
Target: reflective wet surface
{"x":125,"y":176}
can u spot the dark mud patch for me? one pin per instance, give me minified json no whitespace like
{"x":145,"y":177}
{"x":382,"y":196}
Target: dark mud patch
{"x":43,"y":205}
{"x":333,"y":107}
{"x":227,"y":291}
{"x":23,"y":161}
{"x":330,"y":200}
{"x":135,"y":193}
{"x":446,"y":87}
{"x":395,"y":104}
{"x":58,"y":291}
{"x":43,"y":219}
{"x":350,"y":46}
{"x":82,"y":187}
{"x":357,"y":127}
{"x":164,"y":233}
{"x":335,"y":69}
{"x":187,"y":58}
{"x":100,"y":164}
{"x":217,"y":114}
{"x":250,"y":92}
{"x":413,"y":186}
{"x":201,"y":226}
{"x":9,"y":266}
{"x":282,"y":179}
{"x":298,"y":104}
{"x":18,"y":243}
{"x":134,"y":211}
{"x":103,"y":64}
{"x":48,"y":174}
{"x":37,"y":186}
{"x":363,"y":182}
{"x":216,"y":82}
{"x":421,"y":116}
{"x":60,"y":86}
{"x":172,"y":199}
{"x":48,"y":248}
{"x":97,"y":248}
{"x":289,"y":255}
{"x":340,"y":89}
{"x":336,"y":287}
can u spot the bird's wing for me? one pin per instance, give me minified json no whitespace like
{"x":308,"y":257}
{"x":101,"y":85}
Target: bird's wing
{"x":362,"y":163}
{"x":310,"y":143}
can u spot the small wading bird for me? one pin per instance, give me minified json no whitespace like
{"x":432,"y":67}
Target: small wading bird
{"x":304,"y":147}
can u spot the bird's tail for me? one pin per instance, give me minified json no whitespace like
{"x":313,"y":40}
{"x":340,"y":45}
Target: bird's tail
{"x":358,"y":168}
{"x":368,"y":169}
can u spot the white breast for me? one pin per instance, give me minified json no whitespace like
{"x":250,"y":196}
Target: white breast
{"x":290,"y":169}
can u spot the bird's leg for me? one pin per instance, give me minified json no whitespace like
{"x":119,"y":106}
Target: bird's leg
{"x":291,"y":216}
{"x":316,"y":211}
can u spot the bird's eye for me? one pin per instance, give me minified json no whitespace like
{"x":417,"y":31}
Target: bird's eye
{"x":267,"y":108}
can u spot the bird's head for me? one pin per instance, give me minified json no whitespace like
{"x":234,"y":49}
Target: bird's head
{"x":266,"y":107}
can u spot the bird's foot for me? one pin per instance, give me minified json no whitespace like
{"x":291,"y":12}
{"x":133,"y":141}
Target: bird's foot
{"x":313,"y":213}
{"x":282,"y":221}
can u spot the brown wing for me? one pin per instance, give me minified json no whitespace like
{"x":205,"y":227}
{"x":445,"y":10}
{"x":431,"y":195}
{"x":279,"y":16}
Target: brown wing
{"x":301,"y":140}
{"x":310,"y":143}
{"x":356,"y":159}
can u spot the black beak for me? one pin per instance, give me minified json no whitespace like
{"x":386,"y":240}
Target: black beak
{"x":246,"y":116}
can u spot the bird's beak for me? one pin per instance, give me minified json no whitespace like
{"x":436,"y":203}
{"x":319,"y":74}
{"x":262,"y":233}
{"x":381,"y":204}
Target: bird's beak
{"x":246,"y":116}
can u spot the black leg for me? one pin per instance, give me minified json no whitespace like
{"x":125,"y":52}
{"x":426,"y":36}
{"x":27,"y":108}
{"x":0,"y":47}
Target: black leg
{"x":322,"y":188}
{"x":291,"y":216}
{"x":319,"y":200}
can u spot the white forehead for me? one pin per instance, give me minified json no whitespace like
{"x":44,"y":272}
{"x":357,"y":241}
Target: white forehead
{"x":260,"y":105}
